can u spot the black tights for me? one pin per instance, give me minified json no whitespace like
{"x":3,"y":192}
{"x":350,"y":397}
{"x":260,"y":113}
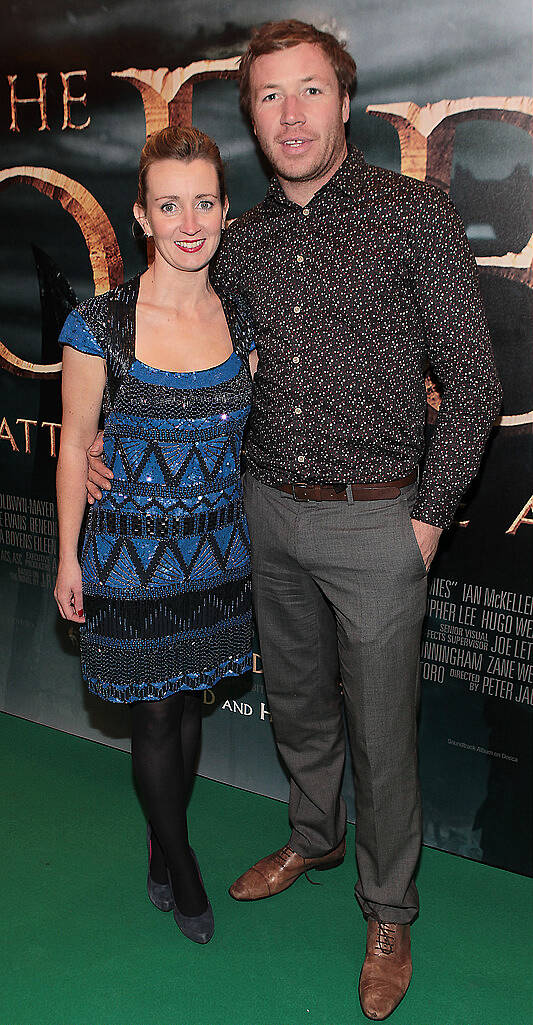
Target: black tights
{"x":164,"y":747}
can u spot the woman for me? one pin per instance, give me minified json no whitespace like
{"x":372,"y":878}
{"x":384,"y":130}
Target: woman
{"x":163,"y":591}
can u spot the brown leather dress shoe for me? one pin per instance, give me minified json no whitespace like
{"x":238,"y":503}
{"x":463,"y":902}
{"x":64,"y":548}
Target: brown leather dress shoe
{"x":387,"y":968}
{"x":280,"y":870}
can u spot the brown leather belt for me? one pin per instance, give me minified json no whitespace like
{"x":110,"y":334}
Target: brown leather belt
{"x":339,"y":492}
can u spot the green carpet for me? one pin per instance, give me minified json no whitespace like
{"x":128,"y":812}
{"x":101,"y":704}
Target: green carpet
{"x":83,"y":945}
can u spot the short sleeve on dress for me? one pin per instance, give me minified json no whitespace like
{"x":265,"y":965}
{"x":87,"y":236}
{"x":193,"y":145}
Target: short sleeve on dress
{"x":246,"y":323}
{"x":76,"y":333}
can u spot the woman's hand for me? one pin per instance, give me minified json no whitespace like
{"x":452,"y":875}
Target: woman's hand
{"x":67,"y":591}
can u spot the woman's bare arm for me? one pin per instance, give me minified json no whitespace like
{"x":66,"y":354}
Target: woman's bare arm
{"x":82,"y":390}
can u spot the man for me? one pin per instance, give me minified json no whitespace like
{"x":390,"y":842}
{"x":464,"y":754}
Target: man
{"x":356,"y":278}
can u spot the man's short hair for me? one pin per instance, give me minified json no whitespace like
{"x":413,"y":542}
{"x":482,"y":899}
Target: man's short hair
{"x":281,"y":35}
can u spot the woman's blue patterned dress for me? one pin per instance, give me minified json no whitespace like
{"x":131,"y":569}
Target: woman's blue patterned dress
{"x":166,"y":553}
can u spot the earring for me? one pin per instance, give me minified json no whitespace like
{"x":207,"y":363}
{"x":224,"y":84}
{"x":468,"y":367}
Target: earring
{"x":137,"y":230}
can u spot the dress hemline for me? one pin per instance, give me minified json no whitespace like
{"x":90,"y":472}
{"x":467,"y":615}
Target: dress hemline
{"x":115,"y":694}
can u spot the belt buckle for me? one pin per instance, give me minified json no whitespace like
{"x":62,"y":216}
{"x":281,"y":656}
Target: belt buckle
{"x":298,"y":498}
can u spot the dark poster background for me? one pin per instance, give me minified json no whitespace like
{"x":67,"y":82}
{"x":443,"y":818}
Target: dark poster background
{"x":477,"y":693}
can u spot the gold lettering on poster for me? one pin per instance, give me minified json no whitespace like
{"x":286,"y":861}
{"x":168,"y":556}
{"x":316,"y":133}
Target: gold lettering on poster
{"x":22,"y":420}
{"x":5,"y":433}
{"x":427,"y":136}
{"x":104,"y":253}
{"x":167,"y":95}
{"x":68,"y":99}
{"x":522,"y":517}
{"x":16,"y":101}
{"x":53,"y":428}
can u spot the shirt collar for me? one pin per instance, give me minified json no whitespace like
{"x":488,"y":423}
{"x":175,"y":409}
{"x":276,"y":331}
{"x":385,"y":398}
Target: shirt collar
{"x":345,"y":181}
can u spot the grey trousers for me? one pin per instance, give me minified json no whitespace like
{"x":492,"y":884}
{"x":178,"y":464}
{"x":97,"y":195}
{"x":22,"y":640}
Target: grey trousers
{"x":340,"y":592}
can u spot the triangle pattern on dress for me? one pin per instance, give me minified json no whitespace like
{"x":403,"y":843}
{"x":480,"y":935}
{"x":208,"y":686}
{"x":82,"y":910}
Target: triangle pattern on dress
{"x":120,"y":470}
{"x":108,"y":559}
{"x":152,"y":470}
{"x":145,"y":571}
{"x":213,"y":454}
{"x":152,"y":454}
{"x":133,"y":450}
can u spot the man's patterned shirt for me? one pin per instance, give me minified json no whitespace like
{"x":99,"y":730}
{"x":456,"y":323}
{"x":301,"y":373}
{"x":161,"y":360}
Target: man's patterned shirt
{"x":353,"y":296}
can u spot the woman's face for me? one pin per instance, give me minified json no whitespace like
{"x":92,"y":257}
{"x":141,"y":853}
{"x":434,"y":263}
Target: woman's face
{"x":184,"y":212}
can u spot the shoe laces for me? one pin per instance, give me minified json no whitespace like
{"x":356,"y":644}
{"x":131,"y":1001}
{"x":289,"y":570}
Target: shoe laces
{"x":283,"y":855}
{"x":385,"y":938}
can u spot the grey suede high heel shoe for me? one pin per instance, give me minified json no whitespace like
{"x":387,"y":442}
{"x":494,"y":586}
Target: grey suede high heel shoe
{"x":198,"y":928}
{"x":159,"y":893}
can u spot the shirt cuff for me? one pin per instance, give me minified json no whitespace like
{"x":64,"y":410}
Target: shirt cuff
{"x":435,"y":513}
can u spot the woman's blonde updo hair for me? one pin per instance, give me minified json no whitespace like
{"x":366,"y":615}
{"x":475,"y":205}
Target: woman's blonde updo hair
{"x":178,"y":143}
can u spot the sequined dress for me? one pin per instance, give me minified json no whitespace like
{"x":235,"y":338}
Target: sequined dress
{"x":166,"y":553}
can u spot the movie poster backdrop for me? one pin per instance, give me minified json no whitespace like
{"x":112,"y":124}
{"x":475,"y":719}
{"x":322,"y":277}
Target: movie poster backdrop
{"x":441,"y":98}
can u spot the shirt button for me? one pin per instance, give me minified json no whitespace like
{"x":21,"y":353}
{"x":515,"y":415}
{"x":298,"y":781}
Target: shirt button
{"x":297,"y":309}
{"x":297,"y":409}
{"x":295,"y":359}
{"x":306,"y":211}
{"x":300,"y":258}
{"x":301,"y":459}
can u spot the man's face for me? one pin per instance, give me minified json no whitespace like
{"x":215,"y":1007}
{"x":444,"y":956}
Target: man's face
{"x":297,"y":113}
